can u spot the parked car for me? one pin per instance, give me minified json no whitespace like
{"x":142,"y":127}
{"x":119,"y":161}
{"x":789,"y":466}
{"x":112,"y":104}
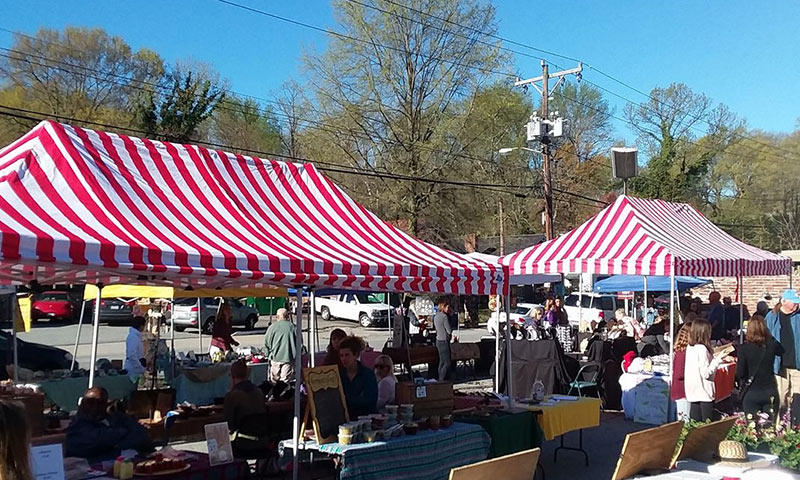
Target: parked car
{"x":33,"y":356}
{"x":52,"y":306}
{"x":184,"y":313}
{"x":521,"y":310}
{"x":113,"y":311}
{"x":596,"y":307}
{"x":364,"y":308}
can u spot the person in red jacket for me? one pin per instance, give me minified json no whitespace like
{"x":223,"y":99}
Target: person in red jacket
{"x":677,"y":392}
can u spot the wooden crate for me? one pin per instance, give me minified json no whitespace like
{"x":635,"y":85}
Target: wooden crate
{"x":438,"y":399}
{"x":34,"y":410}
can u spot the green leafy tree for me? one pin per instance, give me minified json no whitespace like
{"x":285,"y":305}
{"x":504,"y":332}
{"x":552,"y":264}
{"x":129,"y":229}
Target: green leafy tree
{"x":80,"y":73}
{"x":683,"y":134}
{"x":243,"y":123}
{"x":398,"y":96}
{"x":176,"y":115}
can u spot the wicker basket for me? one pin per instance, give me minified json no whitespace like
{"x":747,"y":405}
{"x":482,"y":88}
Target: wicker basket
{"x":732,"y":451}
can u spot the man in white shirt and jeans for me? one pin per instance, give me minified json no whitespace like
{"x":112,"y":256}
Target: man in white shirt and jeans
{"x":134,"y":350}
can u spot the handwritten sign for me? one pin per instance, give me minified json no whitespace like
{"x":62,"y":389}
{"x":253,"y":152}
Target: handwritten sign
{"x":218,"y":440}
{"x":327,"y":408}
{"x":47,"y":462}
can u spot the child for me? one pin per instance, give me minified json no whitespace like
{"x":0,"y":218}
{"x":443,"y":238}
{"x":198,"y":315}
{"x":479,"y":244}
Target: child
{"x":701,"y":365}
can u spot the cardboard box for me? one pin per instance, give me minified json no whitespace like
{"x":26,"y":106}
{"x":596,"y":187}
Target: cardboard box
{"x":428,"y":399}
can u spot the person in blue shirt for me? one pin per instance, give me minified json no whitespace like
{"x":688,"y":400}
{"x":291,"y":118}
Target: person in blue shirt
{"x":358,"y":382}
{"x":783,"y":324}
{"x":716,"y":316}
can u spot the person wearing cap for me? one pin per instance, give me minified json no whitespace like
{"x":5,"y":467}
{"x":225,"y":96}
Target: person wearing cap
{"x":279,"y":342}
{"x":783,"y":324}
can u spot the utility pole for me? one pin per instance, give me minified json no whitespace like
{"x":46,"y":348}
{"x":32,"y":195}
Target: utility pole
{"x":502,"y":227}
{"x":538,"y":129}
{"x":548,"y":187}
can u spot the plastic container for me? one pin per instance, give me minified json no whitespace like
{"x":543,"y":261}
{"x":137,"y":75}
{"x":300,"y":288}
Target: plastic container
{"x":348,"y":429}
{"x":346,"y":439}
{"x":434,"y":421}
{"x":392,"y":409}
{"x":370,"y":437}
{"x":410,"y":428}
{"x":126,"y":470}
{"x":447,"y":421}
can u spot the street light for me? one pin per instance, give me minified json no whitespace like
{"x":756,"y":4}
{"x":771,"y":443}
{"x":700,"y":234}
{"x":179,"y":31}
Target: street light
{"x":507,"y":150}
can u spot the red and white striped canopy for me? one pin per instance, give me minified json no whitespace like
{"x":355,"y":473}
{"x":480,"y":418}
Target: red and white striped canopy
{"x":83,"y":206}
{"x":637,"y":236}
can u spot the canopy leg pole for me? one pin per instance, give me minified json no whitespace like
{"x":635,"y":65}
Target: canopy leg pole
{"x":741,"y":310}
{"x":77,"y":336}
{"x":509,"y":382}
{"x":671,"y":317}
{"x":298,"y":368}
{"x":497,"y":348}
{"x":580,"y":302}
{"x":199,"y":327}
{"x":14,"y":306}
{"x":95,"y":334}
{"x":646,"y":306}
{"x":173,"y":356}
{"x":312,"y":328}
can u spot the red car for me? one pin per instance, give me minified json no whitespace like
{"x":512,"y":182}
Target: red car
{"x":53,"y":306}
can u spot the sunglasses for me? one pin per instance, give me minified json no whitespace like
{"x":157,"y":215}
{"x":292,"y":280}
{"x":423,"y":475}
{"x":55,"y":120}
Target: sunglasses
{"x":381,"y":366}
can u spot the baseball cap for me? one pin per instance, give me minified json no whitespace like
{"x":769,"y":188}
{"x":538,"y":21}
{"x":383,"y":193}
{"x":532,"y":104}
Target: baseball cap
{"x":790,"y":295}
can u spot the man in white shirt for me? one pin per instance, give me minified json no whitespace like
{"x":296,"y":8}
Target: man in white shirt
{"x":134,"y":350}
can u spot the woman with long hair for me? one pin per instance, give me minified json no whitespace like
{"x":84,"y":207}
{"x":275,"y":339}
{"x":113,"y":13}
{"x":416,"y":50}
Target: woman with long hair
{"x":332,"y":352}
{"x":222,"y":340}
{"x":701,"y":365}
{"x":387,"y":382}
{"x":677,"y":390}
{"x":550,"y":316}
{"x":14,"y":440}
{"x":754,"y":369}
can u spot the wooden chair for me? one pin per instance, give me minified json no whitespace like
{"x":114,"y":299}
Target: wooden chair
{"x":517,"y":466}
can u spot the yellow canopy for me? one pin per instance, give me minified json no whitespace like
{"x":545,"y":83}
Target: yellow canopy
{"x":146,"y":291}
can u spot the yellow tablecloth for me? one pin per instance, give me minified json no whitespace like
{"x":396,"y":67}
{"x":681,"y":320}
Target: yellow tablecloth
{"x":567,"y":416}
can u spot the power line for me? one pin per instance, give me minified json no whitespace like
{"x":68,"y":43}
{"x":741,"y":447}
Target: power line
{"x":356,"y":39}
{"x":33,"y":115}
{"x":609,"y":76}
{"x":308,"y":123}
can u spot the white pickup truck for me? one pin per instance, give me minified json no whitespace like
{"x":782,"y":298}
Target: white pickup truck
{"x":364,"y":308}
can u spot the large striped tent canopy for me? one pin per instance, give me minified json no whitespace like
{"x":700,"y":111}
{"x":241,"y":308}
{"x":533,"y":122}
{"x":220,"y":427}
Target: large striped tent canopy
{"x":85,"y":206}
{"x":638,"y":236}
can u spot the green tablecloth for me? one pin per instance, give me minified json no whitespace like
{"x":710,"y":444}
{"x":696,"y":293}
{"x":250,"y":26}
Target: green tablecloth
{"x":204,"y":393}
{"x":510,"y":432}
{"x":66,"y":392}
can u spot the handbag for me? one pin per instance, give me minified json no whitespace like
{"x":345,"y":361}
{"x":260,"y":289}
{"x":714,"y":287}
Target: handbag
{"x":739,"y":393}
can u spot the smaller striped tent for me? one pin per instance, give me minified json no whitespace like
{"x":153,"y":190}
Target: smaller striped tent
{"x":637,"y":236}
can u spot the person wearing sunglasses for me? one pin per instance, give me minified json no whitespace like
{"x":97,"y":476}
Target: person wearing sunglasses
{"x":384,"y":371}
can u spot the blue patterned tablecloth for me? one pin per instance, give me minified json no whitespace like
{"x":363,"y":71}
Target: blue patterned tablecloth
{"x":428,"y":455}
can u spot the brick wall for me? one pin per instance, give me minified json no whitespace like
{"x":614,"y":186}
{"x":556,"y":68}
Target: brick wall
{"x":754,"y":288}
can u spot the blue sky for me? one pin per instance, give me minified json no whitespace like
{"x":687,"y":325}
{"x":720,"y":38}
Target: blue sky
{"x":740,"y":53}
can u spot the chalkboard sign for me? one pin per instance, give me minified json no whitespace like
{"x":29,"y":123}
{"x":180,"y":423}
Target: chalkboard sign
{"x":326,"y":403}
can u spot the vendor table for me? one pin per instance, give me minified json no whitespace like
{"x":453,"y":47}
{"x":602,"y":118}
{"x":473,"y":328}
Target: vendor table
{"x":428,"y":455}
{"x":67,"y":391}
{"x":565,"y":416}
{"x":200,"y":386}
{"x":645,"y":396}
{"x":510,"y":432}
{"x":201,"y":470}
